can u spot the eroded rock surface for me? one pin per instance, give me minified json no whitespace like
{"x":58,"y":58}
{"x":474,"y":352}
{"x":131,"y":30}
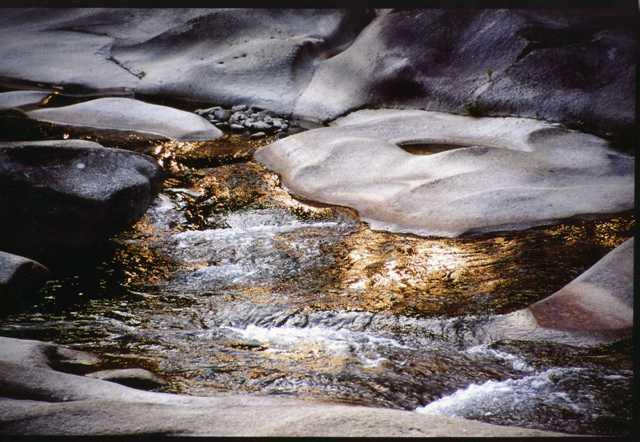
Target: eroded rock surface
{"x":225,"y":56}
{"x":70,"y":193}
{"x":129,"y":115}
{"x":131,"y":377}
{"x":494,"y":174}
{"x":554,"y":65}
{"x":557,"y":65}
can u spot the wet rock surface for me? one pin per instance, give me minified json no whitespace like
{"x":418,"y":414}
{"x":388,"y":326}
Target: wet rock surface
{"x":39,"y":400}
{"x":70,"y":193}
{"x":131,"y":377}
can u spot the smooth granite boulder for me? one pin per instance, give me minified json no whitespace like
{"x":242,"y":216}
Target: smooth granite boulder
{"x":70,"y":194}
{"x":37,"y":400}
{"x":130,"y":115}
{"x":263,"y":57}
{"x":437,"y":174}
{"x":574,"y":67}
{"x":19,"y":277}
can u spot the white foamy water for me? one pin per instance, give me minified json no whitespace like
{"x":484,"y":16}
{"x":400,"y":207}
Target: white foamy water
{"x":483,"y":351}
{"x":258,"y":246}
{"x":336,"y":342}
{"x":503,"y":397}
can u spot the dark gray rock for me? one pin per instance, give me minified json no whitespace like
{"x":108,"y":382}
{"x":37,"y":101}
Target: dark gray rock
{"x":131,"y":377}
{"x":575,"y":68}
{"x":20,"y":277}
{"x":70,"y":194}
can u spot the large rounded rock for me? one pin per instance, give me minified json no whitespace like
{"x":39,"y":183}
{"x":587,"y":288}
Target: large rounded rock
{"x":129,"y":115}
{"x":70,"y":194}
{"x":19,"y":277}
{"x":555,"y":65}
{"x":488,"y":174}
{"x":259,"y":56}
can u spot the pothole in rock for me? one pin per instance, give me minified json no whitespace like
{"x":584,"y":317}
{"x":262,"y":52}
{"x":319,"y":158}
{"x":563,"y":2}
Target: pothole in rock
{"x":426,"y":148}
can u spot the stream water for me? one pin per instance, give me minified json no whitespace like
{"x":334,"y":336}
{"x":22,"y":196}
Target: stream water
{"x":230,"y":284}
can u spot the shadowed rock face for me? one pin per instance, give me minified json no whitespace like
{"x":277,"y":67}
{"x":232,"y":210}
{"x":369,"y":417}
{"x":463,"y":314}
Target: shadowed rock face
{"x":567,"y":66}
{"x":19,"y":277}
{"x":508,"y":174}
{"x":129,"y":115}
{"x":70,"y":194}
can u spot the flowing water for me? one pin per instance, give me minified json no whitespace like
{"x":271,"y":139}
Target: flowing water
{"x":230,"y":284}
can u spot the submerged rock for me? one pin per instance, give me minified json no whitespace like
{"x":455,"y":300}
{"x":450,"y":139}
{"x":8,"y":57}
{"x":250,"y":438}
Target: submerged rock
{"x":20,"y":276}
{"x":70,"y":194}
{"x":465,"y":174}
{"x":129,"y":115}
{"x":37,"y":399}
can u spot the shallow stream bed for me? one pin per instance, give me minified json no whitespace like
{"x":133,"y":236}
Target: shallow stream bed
{"x":230,"y":284}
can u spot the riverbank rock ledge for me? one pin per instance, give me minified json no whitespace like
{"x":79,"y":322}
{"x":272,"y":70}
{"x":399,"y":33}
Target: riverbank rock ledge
{"x":38,"y":400}
{"x":437,"y":174}
{"x":19,"y":276}
{"x":70,"y":194}
{"x":574,"y":67}
{"x":129,"y":115}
